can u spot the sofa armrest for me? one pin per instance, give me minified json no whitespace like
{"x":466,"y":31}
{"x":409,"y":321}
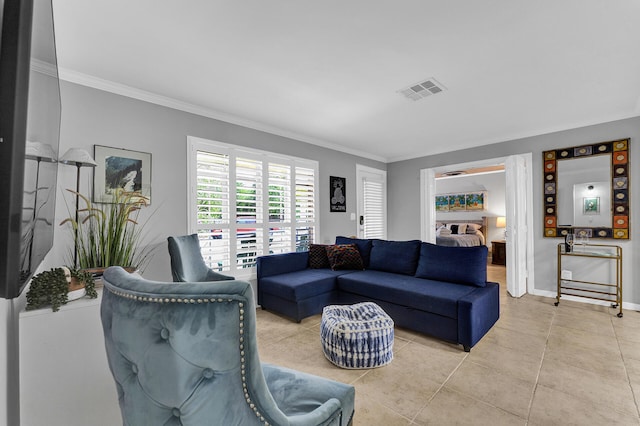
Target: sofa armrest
{"x":276,"y":264}
{"x":477,"y":312}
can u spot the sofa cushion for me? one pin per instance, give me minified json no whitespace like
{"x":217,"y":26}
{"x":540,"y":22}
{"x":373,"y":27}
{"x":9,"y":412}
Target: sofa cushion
{"x":318,"y":257}
{"x":364,"y":247}
{"x":300,"y":285}
{"x":400,"y":257}
{"x":344,"y":256}
{"x":463,"y":265}
{"x":416,"y":293}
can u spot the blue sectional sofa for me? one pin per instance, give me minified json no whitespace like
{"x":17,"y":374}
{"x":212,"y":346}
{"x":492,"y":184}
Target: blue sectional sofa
{"x":436,"y":290}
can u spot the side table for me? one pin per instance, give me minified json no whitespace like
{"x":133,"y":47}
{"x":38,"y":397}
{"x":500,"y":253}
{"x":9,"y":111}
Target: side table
{"x":499,"y":252}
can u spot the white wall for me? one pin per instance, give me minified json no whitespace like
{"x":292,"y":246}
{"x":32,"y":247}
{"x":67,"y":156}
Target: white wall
{"x":493,"y":183}
{"x":404,"y":182}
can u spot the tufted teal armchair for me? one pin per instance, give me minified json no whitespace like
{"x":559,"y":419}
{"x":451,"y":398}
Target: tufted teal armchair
{"x":186,"y":354}
{"x":187,"y":263}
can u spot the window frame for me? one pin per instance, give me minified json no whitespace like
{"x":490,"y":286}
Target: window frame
{"x":196,"y":144}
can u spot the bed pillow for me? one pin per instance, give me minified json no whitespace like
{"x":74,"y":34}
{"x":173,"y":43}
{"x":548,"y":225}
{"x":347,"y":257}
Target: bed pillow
{"x":364,"y":247}
{"x":457,"y":228}
{"x":473,"y":227}
{"x":318,"y":256}
{"x":344,"y":256}
{"x":462,"y":265}
{"x":400,"y":257}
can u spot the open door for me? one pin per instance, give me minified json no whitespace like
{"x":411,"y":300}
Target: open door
{"x":518,"y":187}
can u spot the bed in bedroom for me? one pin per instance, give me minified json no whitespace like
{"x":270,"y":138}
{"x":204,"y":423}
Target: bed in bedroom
{"x":461,"y":233}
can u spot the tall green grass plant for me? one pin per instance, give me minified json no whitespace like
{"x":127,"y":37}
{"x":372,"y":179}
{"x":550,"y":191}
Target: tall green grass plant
{"x":110,"y":235}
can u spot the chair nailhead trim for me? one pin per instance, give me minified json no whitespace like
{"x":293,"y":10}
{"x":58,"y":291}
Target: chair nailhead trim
{"x":212,"y":300}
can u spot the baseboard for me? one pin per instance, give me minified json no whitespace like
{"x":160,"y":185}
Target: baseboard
{"x":552,"y":294}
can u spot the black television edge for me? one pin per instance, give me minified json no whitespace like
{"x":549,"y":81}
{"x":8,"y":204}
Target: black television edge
{"x":30,"y":111}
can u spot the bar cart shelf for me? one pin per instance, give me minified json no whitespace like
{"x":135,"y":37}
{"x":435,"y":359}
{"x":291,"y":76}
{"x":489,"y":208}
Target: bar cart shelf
{"x":591,"y":289}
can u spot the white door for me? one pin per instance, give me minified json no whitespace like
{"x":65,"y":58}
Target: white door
{"x":372,"y":202}
{"x":516,"y":174}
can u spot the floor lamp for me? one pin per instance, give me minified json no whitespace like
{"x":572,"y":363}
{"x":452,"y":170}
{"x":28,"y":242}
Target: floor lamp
{"x":80,"y":158}
{"x":41,"y":153}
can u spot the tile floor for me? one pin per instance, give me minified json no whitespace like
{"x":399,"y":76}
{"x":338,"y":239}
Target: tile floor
{"x":574,"y":364}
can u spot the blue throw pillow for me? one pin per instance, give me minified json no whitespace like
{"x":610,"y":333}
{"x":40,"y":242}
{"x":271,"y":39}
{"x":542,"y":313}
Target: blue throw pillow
{"x":363,"y":245}
{"x":400,"y":257}
{"x":462,"y":265}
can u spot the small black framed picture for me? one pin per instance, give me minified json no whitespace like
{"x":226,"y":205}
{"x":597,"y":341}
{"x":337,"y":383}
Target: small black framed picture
{"x":338,"y":194}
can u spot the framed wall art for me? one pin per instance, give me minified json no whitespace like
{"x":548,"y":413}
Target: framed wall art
{"x":338,"y":194}
{"x":591,"y":205}
{"x":474,"y":201}
{"x":120,"y":168}
{"x":442,"y":203}
{"x":460,"y":202}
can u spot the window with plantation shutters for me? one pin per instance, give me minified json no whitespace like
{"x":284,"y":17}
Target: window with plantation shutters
{"x":246,"y":203}
{"x":374,"y":225}
{"x":305,"y":193}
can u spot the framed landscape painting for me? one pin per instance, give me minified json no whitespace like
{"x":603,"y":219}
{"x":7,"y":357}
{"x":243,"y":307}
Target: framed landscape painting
{"x":457,"y":202}
{"x":442,"y":203}
{"x":475,"y":200}
{"x":120,"y":168}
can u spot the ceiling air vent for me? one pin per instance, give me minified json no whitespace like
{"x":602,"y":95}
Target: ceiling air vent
{"x":423,"y":89}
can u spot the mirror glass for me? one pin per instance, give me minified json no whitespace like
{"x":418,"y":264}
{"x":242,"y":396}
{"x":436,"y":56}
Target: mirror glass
{"x":584,"y":191}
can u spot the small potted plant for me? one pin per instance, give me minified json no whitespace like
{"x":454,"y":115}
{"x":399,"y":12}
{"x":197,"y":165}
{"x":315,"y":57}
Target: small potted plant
{"x":53,"y":287}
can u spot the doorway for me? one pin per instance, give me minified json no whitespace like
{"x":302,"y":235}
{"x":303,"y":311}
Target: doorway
{"x":519,"y":215}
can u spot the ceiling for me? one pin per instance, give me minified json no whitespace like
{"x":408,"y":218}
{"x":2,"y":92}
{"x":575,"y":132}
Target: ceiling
{"x":329,"y":72}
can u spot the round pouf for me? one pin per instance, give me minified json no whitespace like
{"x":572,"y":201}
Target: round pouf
{"x":357,"y":336}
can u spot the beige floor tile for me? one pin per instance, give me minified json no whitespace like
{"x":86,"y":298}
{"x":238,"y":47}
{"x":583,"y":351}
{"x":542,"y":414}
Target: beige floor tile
{"x":613,"y":367}
{"x":271,"y":328}
{"x":370,"y":412}
{"x":493,"y":387}
{"x":405,"y":385}
{"x":633,"y":370}
{"x":627,"y":332}
{"x":598,"y":322}
{"x":630,"y":349}
{"x":453,"y":408}
{"x":513,"y":340}
{"x":562,"y":336}
{"x":439,"y":362}
{"x":588,"y":385}
{"x":303,"y":352}
{"x":524,"y":325}
{"x":518,"y":364}
{"x":630,"y":319}
{"x":552,"y":407}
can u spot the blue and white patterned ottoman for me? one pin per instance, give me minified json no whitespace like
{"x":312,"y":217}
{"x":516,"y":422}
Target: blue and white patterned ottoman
{"x":357,"y":336}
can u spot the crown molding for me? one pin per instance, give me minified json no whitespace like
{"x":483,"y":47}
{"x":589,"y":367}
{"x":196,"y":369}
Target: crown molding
{"x":142,"y":95}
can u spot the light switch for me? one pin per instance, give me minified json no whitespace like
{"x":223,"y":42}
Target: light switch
{"x":353,"y":216}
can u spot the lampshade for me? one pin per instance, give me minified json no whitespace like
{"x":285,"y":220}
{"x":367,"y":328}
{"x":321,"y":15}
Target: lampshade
{"x":40,"y":152}
{"x":501,"y":222}
{"x":78,"y":157}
